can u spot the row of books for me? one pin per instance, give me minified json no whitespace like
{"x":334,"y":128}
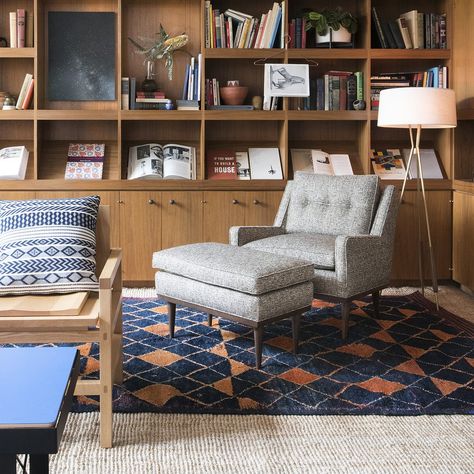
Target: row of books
{"x":412,"y":30}
{"x":253,"y":163}
{"x":236,"y":29}
{"x":21,"y":28}
{"x":434,"y":77}
{"x":298,"y":33}
{"x":336,"y":90}
{"x":192,"y":79}
{"x":391,"y":164}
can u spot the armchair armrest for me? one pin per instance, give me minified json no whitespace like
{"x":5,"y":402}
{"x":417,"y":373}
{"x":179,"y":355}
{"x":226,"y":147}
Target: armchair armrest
{"x":243,"y":235}
{"x":363,"y":262}
{"x":111,"y":267}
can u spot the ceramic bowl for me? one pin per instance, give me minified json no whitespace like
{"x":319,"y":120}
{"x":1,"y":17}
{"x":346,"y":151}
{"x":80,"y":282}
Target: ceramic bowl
{"x":233,"y":95}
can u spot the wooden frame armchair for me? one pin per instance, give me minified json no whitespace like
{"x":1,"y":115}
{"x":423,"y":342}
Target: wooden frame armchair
{"x":100,"y":320}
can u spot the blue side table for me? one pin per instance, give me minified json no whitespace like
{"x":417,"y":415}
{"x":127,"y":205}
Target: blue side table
{"x":36,"y":390}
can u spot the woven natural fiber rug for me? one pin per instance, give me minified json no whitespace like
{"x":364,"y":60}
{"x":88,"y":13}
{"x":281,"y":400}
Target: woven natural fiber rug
{"x":410,"y":361}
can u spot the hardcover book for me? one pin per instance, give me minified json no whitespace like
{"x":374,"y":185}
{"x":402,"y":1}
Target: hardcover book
{"x":221,"y":164}
{"x":265,"y":163}
{"x":388,"y":164}
{"x":85,"y":161}
{"x":331,"y":164}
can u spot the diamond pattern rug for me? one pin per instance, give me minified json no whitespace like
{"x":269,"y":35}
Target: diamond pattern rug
{"x":410,"y":361}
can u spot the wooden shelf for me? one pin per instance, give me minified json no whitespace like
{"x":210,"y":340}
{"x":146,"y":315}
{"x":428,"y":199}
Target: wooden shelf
{"x":161,"y":114}
{"x":245,"y":115}
{"x":327,"y":115}
{"x":241,"y":53}
{"x":326,"y":53}
{"x":17,"y":52}
{"x":77,"y":115}
{"x":416,"y":54}
{"x":17,"y":114}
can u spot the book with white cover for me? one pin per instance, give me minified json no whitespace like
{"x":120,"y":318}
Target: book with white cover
{"x":429,"y":164}
{"x":265,"y":163}
{"x":243,"y":167}
{"x":154,"y":161}
{"x":13,"y":162}
{"x":331,"y":164}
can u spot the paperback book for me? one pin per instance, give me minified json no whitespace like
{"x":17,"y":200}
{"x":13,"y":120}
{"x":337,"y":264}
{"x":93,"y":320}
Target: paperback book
{"x":13,"y":162}
{"x":331,"y":164}
{"x":85,"y":161}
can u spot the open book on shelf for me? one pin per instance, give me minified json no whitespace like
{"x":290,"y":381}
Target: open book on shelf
{"x":13,"y":162}
{"x":320,"y":162}
{"x":155,"y":161}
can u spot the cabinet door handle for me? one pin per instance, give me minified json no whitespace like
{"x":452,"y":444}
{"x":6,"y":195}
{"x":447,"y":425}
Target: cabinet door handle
{"x":172,"y":201}
{"x":204,"y":202}
{"x":256,"y":202}
{"x":120,"y":201}
{"x":234,"y":201}
{"x":151,"y":201}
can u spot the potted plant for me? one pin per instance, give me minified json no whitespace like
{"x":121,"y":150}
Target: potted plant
{"x":332,"y":26}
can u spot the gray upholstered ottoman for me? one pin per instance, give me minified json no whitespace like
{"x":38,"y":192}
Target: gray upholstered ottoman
{"x":249,"y":286}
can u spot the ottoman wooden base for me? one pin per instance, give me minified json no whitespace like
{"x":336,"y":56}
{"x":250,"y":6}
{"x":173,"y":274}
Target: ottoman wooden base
{"x":257,"y":326}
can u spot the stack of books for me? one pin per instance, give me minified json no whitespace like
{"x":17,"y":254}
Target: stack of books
{"x":411,"y":30}
{"x":141,"y":100}
{"x":336,"y":90}
{"x":21,"y":29}
{"x":85,"y":161}
{"x":434,"y":77}
{"x":236,"y":29}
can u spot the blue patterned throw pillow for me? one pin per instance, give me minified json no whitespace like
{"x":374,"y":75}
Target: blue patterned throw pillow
{"x":48,"y":246}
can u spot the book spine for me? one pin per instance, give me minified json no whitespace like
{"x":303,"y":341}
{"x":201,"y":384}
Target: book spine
{"x":283,"y":24}
{"x":276,"y":24}
{"x":133,"y":92}
{"x":351,"y":91}
{"x":427,"y":20}
{"x":343,"y":93}
{"x":320,"y":94}
{"x":223,"y":34}
{"x":24,"y":88}
{"x":13,"y":31}
{"x":405,"y":32}
{"x":336,"y":85}
{"x":125,"y":93}
{"x":196,"y":81}
{"x":20,"y":27}
{"x":207,"y":36}
{"x":421,"y":30}
{"x":378,"y":28}
{"x":29,"y":40}
{"x":211,"y":27}
{"x":443,"y":37}
{"x":303,"y":33}
{"x":359,"y":75}
{"x":292,"y":30}
{"x":298,"y":33}
{"x":326,"y":92}
{"x":28,"y":96}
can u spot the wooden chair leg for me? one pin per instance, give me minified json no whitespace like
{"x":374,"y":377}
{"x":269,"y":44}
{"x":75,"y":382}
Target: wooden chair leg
{"x":296,"y":331}
{"x":117,"y":349}
{"x":257,"y":334}
{"x":106,"y":388}
{"x":376,"y":302}
{"x":209,"y":319}
{"x":171,"y":317}
{"x":345,"y":310}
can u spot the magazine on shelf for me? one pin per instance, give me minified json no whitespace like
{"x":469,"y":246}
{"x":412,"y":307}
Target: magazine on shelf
{"x":265,"y":163}
{"x":388,"y":164}
{"x":301,"y":159}
{"x":155,"y":161}
{"x":431,"y":167}
{"x":13,"y":162}
{"x":331,"y":164}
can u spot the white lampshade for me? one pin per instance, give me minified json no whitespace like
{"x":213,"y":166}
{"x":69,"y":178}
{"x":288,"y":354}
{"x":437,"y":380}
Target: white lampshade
{"x":428,"y":107}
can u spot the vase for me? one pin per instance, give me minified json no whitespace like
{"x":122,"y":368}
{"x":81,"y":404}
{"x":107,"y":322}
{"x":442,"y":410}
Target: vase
{"x":149,"y":84}
{"x":342,"y":35}
{"x":233,"y":95}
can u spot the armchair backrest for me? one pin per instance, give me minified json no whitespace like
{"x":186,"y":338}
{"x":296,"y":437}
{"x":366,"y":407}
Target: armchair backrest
{"x":102,"y":235}
{"x":337,"y":205}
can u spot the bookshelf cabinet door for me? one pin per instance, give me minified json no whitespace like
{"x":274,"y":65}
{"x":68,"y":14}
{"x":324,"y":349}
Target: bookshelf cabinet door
{"x":463,"y":230}
{"x":140,"y":233}
{"x":181,"y":218}
{"x":262,"y":207}
{"x":222,"y":210}
{"x":108,"y":198}
{"x":405,"y":256}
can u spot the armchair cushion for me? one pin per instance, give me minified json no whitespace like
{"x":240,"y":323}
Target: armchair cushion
{"x":319,"y":249}
{"x":48,"y":246}
{"x":337,"y":205}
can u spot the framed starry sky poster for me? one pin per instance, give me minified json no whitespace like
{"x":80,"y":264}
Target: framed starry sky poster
{"x":81,"y":56}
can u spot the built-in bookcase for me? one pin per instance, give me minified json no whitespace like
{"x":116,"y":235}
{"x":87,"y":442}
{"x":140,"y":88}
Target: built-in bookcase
{"x":49,"y":126}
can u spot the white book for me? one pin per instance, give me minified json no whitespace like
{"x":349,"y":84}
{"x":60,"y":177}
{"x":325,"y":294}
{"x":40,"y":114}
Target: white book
{"x":23,"y":90}
{"x":243,"y":167}
{"x":283,"y":23}
{"x":199,"y":77}
{"x":13,"y":31}
{"x":270,"y":25}
{"x":154,"y":161}
{"x":13,"y":162}
{"x":331,"y":164}
{"x":265,"y":163}
{"x":411,"y":19}
{"x":429,"y":164}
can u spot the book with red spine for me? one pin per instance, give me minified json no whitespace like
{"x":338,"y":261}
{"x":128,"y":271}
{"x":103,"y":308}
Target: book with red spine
{"x":303,"y":33}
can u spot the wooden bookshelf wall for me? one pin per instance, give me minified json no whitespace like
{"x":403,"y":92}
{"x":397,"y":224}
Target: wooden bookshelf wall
{"x":50,"y":125}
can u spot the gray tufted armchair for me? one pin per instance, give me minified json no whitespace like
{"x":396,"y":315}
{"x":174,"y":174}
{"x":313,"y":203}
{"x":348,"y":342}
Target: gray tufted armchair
{"x":344,"y":225}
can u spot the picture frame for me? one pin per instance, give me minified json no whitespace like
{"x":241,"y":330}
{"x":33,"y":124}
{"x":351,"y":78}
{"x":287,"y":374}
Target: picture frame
{"x":286,"y":80}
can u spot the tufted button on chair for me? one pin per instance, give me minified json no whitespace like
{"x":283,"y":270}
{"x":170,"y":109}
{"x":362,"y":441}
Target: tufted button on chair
{"x":343,"y":225}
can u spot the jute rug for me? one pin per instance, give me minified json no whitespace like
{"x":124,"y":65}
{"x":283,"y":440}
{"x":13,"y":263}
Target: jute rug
{"x":409,"y":361}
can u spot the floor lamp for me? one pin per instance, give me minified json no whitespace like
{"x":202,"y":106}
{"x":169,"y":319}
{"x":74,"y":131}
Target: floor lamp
{"x":416,"y":108}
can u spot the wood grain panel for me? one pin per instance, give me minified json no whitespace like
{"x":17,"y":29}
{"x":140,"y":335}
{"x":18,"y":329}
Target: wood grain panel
{"x":262,"y":207}
{"x":463,"y":232}
{"x":405,"y":260}
{"x":220,"y":214}
{"x":140,"y":232}
{"x":16,"y":195}
{"x":181,"y":218}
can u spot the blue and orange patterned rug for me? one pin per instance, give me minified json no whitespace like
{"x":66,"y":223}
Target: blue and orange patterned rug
{"x":410,"y":361}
